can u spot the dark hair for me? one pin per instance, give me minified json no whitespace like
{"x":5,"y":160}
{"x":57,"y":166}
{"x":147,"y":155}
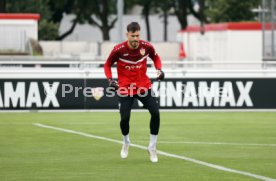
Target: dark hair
{"x":133,"y":26}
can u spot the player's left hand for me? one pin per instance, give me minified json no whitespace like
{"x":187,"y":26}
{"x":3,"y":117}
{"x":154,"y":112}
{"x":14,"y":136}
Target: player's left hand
{"x":113,"y":84}
{"x":160,"y":75}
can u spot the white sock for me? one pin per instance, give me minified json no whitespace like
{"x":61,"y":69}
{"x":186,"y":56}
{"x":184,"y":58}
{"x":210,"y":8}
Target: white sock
{"x":153,"y":141}
{"x":126,"y":139}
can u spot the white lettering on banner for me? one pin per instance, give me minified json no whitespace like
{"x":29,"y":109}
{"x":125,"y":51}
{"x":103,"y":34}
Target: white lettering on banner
{"x":208,"y":95}
{"x":17,"y":95}
{"x":33,"y":96}
{"x":227,"y":95}
{"x":50,"y":93}
{"x":1,"y":100}
{"x":190,"y":95}
{"x":175,"y":94}
{"x":244,"y":94}
{"x":162,"y":93}
{"x":64,"y":91}
{"x":14,"y":95}
{"x":215,"y":95}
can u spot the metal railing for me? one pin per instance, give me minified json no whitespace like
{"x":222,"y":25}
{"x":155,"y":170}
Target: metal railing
{"x":54,"y":62}
{"x":41,"y":67}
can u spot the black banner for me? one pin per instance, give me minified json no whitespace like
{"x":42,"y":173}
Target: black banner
{"x":20,"y":94}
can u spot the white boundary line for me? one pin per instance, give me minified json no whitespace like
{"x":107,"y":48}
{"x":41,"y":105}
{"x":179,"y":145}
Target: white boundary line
{"x":137,"y":110}
{"x":218,"y":167}
{"x":209,"y":143}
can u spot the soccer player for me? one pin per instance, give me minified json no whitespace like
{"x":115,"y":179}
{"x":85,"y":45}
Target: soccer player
{"x":133,"y":83}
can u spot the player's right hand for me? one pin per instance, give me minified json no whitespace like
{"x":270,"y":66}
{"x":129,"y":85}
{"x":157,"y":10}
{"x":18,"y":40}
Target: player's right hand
{"x":160,"y":75}
{"x":113,"y":84}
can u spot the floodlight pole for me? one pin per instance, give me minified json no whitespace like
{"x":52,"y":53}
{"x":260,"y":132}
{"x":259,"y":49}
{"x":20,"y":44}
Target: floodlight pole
{"x":120,"y":12}
{"x":272,"y":27}
{"x":263,"y":27}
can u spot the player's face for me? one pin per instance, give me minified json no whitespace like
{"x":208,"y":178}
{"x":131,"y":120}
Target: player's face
{"x":133,"y":38}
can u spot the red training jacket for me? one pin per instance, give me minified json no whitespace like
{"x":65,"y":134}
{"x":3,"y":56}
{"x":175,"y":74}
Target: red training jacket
{"x":132,"y":66}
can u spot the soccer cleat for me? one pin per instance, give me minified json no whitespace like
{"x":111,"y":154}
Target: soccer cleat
{"x":153,"y":155}
{"x":124,"y":151}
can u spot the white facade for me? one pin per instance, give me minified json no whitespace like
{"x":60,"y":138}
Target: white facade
{"x":16,"y":30}
{"x":93,"y":50}
{"x":224,"y":42}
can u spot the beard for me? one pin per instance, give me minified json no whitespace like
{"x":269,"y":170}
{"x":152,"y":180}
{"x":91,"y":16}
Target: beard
{"x":134,"y":44}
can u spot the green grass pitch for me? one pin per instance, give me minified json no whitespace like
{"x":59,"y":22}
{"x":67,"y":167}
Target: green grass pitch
{"x":28,"y":152}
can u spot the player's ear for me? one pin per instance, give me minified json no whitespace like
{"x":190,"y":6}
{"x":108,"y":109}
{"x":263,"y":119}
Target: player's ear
{"x":126,"y":34}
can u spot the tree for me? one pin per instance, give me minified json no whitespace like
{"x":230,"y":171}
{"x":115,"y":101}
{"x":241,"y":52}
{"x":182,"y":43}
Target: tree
{"x":183,"y":8}
{"x":29,"y":6}
{"x":164,"y":7}
{"x":146,"y":12}
{"x":48,"y":30}
{"x":51,"y":12}
{"x":201,"y":15}
{"x":59,"y":8}
{"x":95,"y":12}
{"x":75,"y":7}
{"x":2,"y":6}
{"x":181,"y":12}
{"x":147,"y":7}
{"x":231,"y":10}
{"x":98,"y":13}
